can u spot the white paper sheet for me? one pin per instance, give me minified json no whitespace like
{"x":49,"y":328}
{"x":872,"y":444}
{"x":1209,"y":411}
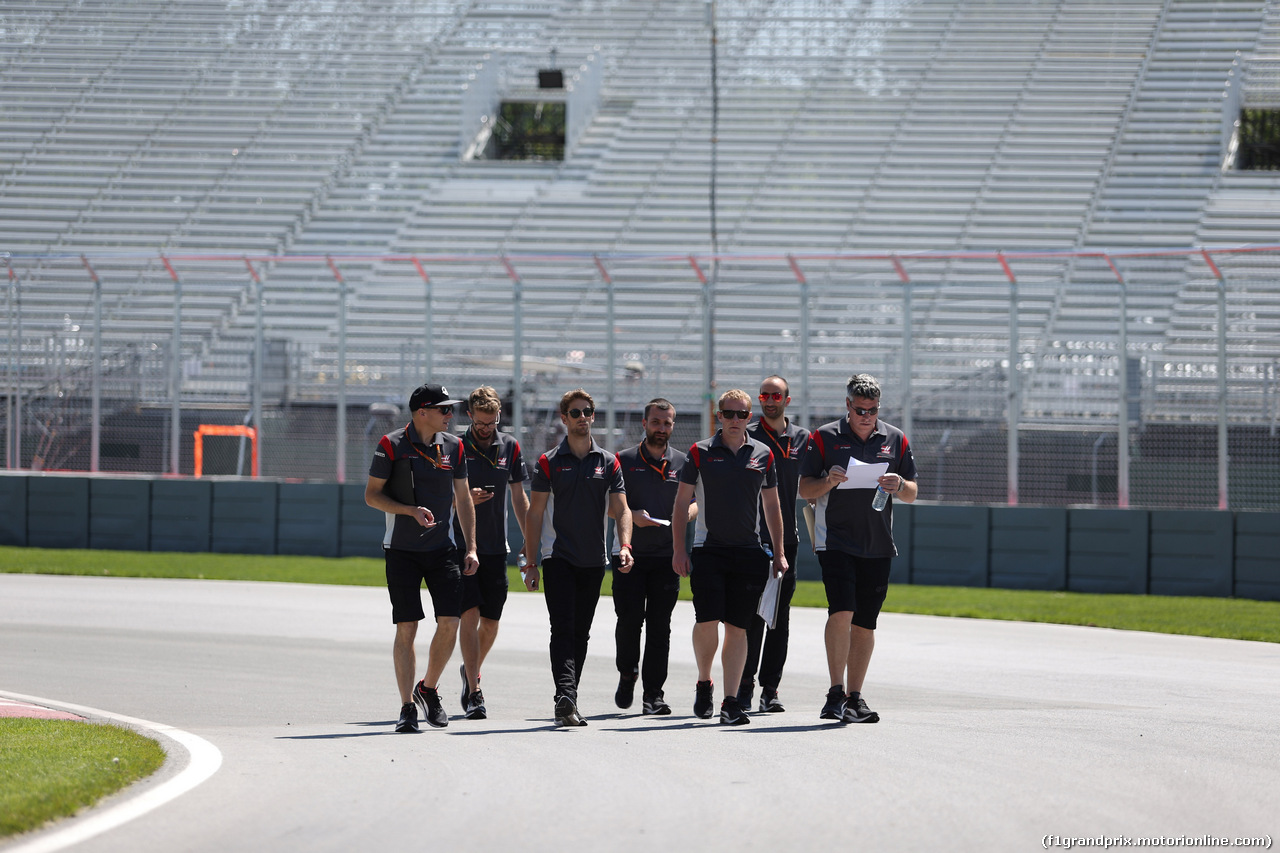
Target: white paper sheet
{"x":863,"y":475}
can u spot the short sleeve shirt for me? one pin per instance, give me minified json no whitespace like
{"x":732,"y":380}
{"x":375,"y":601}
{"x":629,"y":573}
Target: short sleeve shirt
{"x":844,"y":519}
{"x":425,"y":473}
{"x":788,"y":449}
{"x":496,"y":466}
{"x":727,"y":487}
{"x":576,"y":519}
{"x":651,"y":486}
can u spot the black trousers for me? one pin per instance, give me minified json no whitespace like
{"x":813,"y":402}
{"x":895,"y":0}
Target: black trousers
{"x":572,"y":593}
{"x":645,"y":597}
{"x":774,"y":640}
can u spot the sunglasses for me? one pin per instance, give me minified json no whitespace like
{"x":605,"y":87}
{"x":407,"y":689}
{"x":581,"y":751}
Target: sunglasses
{"x":775,"y":396}
{"x":730,"y":414}
{"x":444,"y":410}
{"x":862,"y":413}
{"x":581,"y":413}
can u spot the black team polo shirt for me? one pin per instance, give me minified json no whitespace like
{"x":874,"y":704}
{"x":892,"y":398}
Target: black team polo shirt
{"x":844,"y":519}
{"x":577,"y":514}
{"x":727,"y":487}
{"x":431,"y":470}
{"x":651,"y":486}
{"x":788,"y":449}
{"x":499,"y":465}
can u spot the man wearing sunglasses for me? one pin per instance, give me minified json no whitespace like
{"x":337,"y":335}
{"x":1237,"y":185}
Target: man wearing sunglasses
{"x":732,"y":477}
{"x":644,"y":597}
{"x":576,"y":485}
{"x":788,"y":442}
{"x":493,"y":463}
{"x":854,"y":542}
{"x":418,"y":477}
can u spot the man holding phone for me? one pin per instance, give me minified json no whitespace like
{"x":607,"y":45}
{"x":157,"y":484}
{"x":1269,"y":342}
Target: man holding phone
{"x":494,"y":463}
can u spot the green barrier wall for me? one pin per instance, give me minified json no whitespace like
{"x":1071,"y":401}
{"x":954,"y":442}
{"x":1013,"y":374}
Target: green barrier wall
{"x":1163,"y":552}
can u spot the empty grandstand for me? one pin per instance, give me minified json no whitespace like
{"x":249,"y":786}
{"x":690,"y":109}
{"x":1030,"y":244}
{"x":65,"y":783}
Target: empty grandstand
{"x":255,"y":210}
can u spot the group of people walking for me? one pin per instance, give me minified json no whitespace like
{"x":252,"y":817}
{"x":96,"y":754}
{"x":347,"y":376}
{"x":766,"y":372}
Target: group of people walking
{"x":445,"y":497}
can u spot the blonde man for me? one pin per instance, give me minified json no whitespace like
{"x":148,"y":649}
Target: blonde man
{"x":732,"y":477}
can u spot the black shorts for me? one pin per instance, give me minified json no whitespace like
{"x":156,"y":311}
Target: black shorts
{"x":855,"y":583}
{"x":406,"y":570}
{"x":487,"y":588}
{"x":727,"y":583}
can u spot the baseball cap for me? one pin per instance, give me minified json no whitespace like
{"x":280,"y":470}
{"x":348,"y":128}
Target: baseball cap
{"x":430,"y":394}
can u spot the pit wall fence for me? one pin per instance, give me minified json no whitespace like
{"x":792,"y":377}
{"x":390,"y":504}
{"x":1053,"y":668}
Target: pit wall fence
{"x":1212,"y":553}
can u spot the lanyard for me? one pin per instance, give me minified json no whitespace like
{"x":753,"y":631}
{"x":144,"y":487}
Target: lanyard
{"x":471,"y":442}
{"x":435,"y":463}
{"x":662,"y":472}
{"x":773,"y":439}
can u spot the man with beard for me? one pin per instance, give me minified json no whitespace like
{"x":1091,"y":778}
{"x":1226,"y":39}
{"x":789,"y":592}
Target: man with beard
{"x":493,"y":463}
{"x":646,"y":595}
{"x":576,"y":486}
{"x":787,"y":441}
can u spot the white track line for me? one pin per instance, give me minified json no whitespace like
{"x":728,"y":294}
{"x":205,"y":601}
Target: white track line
{"x":205,"y":759}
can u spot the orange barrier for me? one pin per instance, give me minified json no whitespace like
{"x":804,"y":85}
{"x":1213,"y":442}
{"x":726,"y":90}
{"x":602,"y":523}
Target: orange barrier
{"x":234,"y":430}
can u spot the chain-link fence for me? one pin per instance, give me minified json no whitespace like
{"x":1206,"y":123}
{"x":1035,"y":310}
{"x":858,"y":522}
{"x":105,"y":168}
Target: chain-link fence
{"x":1004,"y":369}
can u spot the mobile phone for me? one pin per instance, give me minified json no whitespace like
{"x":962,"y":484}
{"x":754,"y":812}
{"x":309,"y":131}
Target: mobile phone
{"x":489,"y":488}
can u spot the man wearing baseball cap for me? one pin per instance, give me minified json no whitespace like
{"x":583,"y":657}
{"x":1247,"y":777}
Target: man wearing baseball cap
{"x":418,"y":477}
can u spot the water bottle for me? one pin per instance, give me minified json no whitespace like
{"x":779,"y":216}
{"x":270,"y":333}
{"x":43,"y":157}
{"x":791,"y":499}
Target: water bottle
{"x":881,"y":498}
{"x":522,"y":564}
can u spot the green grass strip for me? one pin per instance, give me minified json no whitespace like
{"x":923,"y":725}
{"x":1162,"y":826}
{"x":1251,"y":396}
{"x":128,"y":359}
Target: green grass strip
{"x":53,"y":768}
{"x":1233,"y":618}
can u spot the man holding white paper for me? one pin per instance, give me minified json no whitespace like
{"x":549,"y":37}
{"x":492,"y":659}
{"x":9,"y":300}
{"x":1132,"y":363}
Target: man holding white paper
{"x":854,"y":541}
{"x":646,"y":596}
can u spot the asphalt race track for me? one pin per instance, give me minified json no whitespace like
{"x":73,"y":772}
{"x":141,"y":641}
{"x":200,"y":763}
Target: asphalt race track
{"x":994,"y":735}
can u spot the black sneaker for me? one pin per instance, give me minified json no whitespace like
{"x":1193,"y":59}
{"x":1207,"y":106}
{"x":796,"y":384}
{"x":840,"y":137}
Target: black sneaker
{"x":731,"y":713}
{"x":703,"y":702}
{"x":475,"y":706}
{"x":408,"y":723}
{"x":769,"y":702}
{"x":567,"y":713}
{"x":746,"y":691}
{"x":654,"y":705}
{"x":834,"y":708}
{"x":466,"y":687}
{"x":626,"y":693}
{"x":856,"y":711}
{"x":429,"y":701}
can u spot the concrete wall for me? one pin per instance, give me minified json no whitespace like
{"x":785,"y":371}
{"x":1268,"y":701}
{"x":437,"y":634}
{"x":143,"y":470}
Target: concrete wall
{"x":1162,"y":552}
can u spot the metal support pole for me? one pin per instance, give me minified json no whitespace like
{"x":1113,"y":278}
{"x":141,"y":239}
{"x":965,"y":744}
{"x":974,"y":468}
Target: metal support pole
{"x":907,"y":323}
{"x":517,"y":351}
{"x":428,"y":357}
{"x":1015,"y":405}
{"x":175,"y":374}
{"x":804,"y":408}
{"x":707,"y":424}
{"x":341,"y":428}
{"x":95,"y":428}
{"x":11,"y":458}
{"x":611,"y":360}
{"x":1223,"y":459}
{"x":1122,"y":423}
{"x":255,"y":391}
{"x":709,"y":287}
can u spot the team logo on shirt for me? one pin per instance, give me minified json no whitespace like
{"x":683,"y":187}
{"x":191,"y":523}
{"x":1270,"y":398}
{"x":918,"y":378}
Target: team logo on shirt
{"x":886,"y":452}
{"x":756,"y":463}
{"x":502,"y":462}
{"x":599,"y":471}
